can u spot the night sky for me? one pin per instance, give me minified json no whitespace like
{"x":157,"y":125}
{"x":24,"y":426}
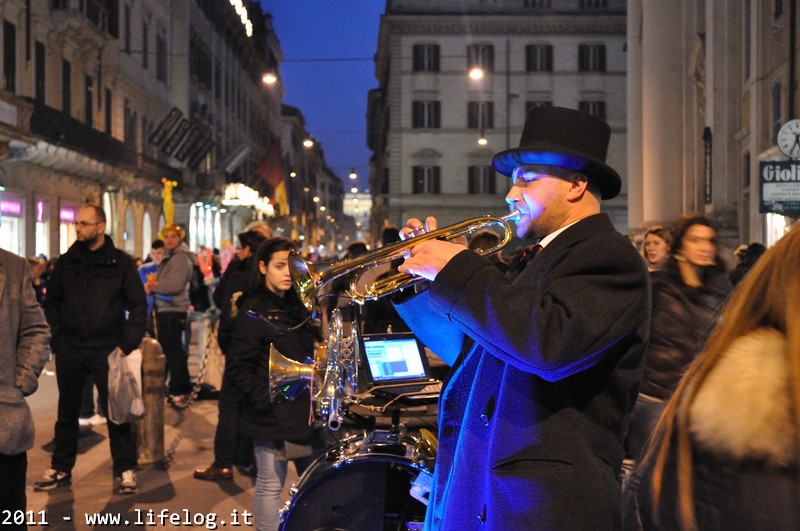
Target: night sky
{"x":328,"y":46}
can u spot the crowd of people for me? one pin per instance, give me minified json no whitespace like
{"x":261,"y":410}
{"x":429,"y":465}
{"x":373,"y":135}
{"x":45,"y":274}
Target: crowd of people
{"x":593,"y":385}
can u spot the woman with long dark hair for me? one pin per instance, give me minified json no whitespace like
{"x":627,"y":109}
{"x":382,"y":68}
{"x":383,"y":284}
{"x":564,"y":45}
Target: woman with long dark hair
{"x":271,"y":314}
{"x":726,"y":451}
{"x":687,"y":295}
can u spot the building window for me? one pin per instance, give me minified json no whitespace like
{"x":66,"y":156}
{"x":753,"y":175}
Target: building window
{"x":539,"y":58}
{"x":777,"y":8}
{"x":66,"y":87}
{"x":593,"y":4}
{"x":530,"y":104}
{"x":109,"y":110}
{"x":592,"y":58}
{"x":130,"y":126}
{"x":127,"y":28}
{"x":745,"y":39}
{"x":480,"y":56}
{"x":426,"y":180}
{"x":88,"y":91}
{"x":481,"y":180}
{"x":595,"y":108}
{"x":384,"y":188}
{"x":426,"y":114}
{"x":480,"y":114}
{"x":145,"y":44}
{"x":161,"y":58}
{"x":40,"y":72}
{"x":746,"y":171}
{"x":776,"y":111}
{"x":539,"y":4}
{"x":9,"y":56}
{"x":426,"y":58}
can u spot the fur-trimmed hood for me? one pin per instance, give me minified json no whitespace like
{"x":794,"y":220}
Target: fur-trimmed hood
{"x":744,"y":408}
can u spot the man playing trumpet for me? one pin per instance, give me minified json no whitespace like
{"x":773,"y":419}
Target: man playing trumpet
{"x":545,"y":366}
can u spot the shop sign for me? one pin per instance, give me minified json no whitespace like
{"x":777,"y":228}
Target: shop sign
{"x":779,"y":184}
{"x":13,"y":208}
{"x":66,"y":214}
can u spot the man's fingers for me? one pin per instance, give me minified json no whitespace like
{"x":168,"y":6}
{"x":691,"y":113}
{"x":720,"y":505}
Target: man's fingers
{"x":413,"y":228}
{"x":431,"y":224}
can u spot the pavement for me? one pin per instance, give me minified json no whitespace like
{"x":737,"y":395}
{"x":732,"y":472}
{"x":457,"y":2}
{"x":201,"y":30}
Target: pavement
{"x":185,"y":501}
{"x":168,"y":497}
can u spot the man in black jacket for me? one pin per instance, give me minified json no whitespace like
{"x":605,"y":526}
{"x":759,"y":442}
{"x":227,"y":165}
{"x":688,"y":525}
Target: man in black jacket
{"x":95,"y":304}
{"x":545,"y":366}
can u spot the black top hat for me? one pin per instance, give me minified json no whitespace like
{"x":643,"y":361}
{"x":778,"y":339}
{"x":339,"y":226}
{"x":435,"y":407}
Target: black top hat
{"x":566,"y":138}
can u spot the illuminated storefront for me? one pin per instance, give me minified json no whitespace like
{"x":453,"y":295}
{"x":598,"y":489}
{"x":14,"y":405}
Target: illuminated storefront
{"x":42,"y":228}
{"x":204,"y":227}
{"x":66,"y":229}
{"x":12,"y":227}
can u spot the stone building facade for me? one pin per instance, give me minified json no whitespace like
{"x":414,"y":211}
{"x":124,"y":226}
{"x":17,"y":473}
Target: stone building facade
{"x":709,"y":85}
{"x":427,"y":115}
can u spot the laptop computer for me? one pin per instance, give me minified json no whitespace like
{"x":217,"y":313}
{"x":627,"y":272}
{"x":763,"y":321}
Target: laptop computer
{"x":396,"y":368}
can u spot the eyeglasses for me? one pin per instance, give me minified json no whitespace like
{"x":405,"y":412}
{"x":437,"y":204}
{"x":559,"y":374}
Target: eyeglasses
{"x":84,"y":224}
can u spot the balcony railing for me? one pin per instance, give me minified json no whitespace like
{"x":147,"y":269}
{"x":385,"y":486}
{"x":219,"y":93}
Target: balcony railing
{"x":63,"y":130}
{"x":93,"y":11}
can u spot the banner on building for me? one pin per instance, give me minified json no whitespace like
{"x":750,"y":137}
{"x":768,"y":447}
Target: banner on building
{"x":177,"y":136}
{"x":200,"y":153}
{"x":165,"y":127}
{"x":271,"y":171}
{"x":194,"y":138}
{"x":779,"y":184}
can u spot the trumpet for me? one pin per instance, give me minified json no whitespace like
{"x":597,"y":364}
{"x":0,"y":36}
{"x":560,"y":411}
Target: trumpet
{"x":309,"y":278}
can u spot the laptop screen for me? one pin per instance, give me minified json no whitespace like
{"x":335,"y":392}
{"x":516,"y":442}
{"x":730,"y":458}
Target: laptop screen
{"x":392,"y":358}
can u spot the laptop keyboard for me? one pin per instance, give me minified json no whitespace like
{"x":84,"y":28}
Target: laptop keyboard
{"x":417,"y":389}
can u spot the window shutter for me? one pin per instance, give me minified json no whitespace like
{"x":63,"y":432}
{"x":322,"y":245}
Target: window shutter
{"x":472,"y":180}
{"x":418,"y":180}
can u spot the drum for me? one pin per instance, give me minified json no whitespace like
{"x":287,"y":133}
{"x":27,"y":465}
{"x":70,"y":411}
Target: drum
{"x":361,"y":484}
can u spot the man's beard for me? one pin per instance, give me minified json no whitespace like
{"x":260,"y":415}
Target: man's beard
{"x":90,"y":242}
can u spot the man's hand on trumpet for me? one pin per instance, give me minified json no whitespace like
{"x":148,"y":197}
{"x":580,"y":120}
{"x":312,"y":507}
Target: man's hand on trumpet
{"x":429,"y":257}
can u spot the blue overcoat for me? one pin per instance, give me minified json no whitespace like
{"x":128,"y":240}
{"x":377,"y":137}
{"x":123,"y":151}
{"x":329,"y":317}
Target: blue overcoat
{"x":545,"y":374}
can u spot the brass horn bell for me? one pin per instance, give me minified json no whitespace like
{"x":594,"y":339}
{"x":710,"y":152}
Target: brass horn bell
{"x":283,"y":372}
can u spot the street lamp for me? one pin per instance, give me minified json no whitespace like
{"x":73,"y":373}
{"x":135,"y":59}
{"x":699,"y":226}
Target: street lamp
{"x":353,"y":175}
{"x":307,"y":143}
{"x":476,"y":73}
{"x":269,"y":78}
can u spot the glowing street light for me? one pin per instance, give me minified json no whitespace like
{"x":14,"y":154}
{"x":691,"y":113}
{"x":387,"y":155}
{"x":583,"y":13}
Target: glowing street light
{"x":354,"y":190}
{"x":316,"y":199}
{"x":292,"y":174}
{"x":307,"y":143}
{"x":476,"y":73}
{"x":269,"y":78}
{"x":353,"y":175}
